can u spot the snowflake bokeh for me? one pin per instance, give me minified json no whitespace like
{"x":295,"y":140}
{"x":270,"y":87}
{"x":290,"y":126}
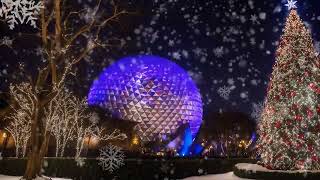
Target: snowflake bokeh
{"x":20,"y":12}
{"x":257,"y":109}
{"x":111,"y":158}
{"x":213,"y":40}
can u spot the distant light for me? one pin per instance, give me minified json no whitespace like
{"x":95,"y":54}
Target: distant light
{"x":4,"y":135}
{"x":135,"y":141}
{"x":92,"y":141}
{"x":243,"y":144}
{"x":187,"y":142}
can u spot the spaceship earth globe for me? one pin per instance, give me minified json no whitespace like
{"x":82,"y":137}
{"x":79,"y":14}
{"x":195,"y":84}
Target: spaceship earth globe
{"x":152,"y":91}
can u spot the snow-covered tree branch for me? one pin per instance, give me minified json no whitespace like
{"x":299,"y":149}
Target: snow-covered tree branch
{"x":63,"y":125}
{"x":20,"y":119}
{"x":19,"y":128}
{"x":62,"y":25}
{"x":88,"y":127}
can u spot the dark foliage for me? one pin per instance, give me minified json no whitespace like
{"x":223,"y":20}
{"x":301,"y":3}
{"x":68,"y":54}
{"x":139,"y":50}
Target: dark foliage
{"x":134,"y":169}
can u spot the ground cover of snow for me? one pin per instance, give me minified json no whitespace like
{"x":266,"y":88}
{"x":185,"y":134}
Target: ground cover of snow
{"x":257,"y":168}
{"x":226,"y":176}
{"x":4,"y":177}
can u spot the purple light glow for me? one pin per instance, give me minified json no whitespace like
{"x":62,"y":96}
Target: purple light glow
{"x":152,"y":91}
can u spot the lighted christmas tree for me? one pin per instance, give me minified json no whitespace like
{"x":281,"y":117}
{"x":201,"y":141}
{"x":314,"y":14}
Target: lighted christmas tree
{"x":290,"y":124}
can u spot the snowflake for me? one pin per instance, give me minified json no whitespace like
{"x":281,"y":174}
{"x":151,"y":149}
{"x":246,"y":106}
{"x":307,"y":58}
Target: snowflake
{"x":317,"y":45}
{"x":254,"y":19}
{"x":185,"y":53}
{"x":20,"y":11}
{"x":171,"y":43}
{"x":6,"y":41}
{"x":291,"y":4}
{"x":89,"y":15}
{"x":176,"y":55}
{"x":231,"y":81}
{"x":94,"y":118}
{"x":91,"y":44}
{"x":80,"y":162}
{"x":154,"y":37}
{"x":197,"y":51}
{"x":218,"y":52}
{"x":39,"y":51}
{"x":224,"y":92}
{"x":111,"y":158}
{"x":165,"y":168}
{"x":257,"y":109}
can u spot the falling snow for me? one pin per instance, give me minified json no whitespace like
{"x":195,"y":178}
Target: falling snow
{"x":224,"y":92}
{"x":111,"y":158}
{"x":232,"y":44}
{"x":257,"y":109}
{"x":20,"y":12}
{"x":6,"y":41}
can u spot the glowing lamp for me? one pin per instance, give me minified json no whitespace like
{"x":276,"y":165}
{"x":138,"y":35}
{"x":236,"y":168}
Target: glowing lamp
{"x":135,"y":141}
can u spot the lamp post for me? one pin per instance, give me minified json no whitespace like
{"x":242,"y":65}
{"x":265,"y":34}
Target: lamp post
{"x":4,"y":142}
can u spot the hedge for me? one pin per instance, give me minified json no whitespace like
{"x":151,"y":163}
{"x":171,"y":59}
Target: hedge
{"x":265,"y":175}
{"x":134,"y":169}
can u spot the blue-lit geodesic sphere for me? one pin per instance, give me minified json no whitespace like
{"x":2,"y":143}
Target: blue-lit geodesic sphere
{"x":152,"y":91}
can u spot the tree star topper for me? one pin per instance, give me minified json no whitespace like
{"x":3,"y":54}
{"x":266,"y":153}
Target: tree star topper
{"x":291,"y":4}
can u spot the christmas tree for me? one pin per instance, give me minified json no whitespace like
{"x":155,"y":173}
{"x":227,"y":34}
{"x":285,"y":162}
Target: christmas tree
{"x":290,"y":124}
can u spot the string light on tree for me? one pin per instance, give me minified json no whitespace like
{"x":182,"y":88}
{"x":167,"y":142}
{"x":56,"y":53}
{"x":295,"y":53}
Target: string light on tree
{"x":289,"y":126}
{"x":67,"y":28}
{"x":19,"y":125}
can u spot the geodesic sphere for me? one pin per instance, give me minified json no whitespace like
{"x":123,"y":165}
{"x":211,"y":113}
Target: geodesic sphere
{"x":154,"y":92}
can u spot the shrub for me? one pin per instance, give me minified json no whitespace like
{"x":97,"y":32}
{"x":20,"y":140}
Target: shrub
{"x":134,"y":169}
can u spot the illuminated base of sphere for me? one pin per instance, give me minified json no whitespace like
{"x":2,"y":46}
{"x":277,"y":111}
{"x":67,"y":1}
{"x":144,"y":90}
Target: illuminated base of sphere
{"x":152,"y":91}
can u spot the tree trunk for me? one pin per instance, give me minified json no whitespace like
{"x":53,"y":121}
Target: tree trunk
{"x":79,"y":148}
{"x":57,"y":147}
{"x":44,"y":149}
{"x":17,"y":151}
{"x":88,"y":144}
{"x":33,"y":166}
{"x":34,"y":159}
{"x":5,"y":143}
{"x":63,"y":148}
{"x":24,"y":150}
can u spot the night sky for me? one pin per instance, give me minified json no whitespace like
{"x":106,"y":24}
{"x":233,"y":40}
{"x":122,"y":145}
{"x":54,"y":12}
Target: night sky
{"x":223,"y":44}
